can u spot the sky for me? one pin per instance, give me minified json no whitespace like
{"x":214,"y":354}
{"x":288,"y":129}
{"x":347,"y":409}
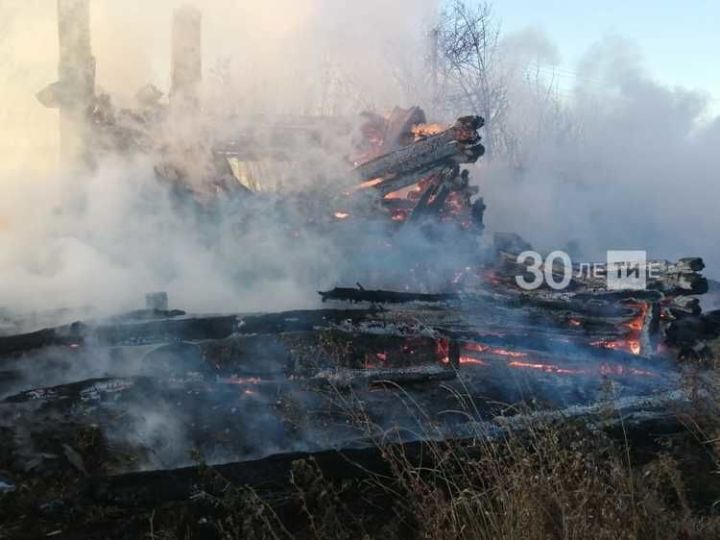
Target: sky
{"x":679,"y":40}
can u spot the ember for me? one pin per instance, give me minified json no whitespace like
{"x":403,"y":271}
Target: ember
{"x":426,"y":335}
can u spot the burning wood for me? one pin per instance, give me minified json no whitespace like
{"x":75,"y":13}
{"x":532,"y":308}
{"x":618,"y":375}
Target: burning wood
{"x":458,"y":144}
{"x":404,"y":166}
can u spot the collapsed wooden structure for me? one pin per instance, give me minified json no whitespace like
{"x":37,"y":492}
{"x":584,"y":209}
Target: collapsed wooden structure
{"x":245,"y":386}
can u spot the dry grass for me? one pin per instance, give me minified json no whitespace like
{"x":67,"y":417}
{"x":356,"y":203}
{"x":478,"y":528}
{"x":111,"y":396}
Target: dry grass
{"x":557,"y":482}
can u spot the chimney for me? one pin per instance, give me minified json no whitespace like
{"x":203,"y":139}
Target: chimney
{"x":186,"y":56}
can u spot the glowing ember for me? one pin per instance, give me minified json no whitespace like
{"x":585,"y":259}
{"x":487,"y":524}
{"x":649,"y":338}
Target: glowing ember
{"x":369,"y":183}
{"x":548,"y":368}
{"x":467,"y":360}
{"x":464,"y":360}
{"x":633,"y":342}
{"x":620,"y":345}
{"x":479,"y":347}
{"x":420,"y":131}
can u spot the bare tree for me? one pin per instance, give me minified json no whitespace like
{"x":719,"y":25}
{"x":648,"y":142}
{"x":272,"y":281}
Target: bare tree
{"x":466,"y":70}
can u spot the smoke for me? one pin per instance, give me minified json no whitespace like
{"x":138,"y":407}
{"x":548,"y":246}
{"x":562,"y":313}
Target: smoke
{"x":619,"y":161}
{"x":106,"y":239}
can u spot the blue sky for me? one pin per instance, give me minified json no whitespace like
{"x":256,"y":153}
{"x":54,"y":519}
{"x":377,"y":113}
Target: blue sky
{"x":679,"y":39}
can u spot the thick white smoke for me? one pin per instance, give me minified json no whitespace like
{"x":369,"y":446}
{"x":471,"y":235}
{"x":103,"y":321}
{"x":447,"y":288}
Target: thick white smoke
{"x":107,"y":239}
{"x":618,"y":162}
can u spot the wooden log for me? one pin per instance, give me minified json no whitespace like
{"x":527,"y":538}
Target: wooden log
{"x":74,"y":93}
{"x":396,"y":183}
{"x":458,"y":144}
{"x":636,"y":427}
{"x":669,"y":278}
{"x":383,"y":297}
{"x":146,"y":331}
{"x":433,"y":200}
{"x":65,"y":336}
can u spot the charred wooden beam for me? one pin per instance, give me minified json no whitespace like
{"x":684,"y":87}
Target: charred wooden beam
{"x":433,"y":200}
{"x":301,"y":354}
{"x":66,"y":336}
{"x":398,"y":182}
{"x":670,"y":278}
{"x":89,"y":390}
{"x":690,"y":330}
{"x":145,"y":331}
{"x":74,"y":92}
{"x":637,"y":428}
{"x":384,"y":297}
{"x":458,"y":144}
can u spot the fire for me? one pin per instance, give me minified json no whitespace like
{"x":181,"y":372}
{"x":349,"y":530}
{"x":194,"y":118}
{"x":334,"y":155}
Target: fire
{"x":631,"y":345}
{"x":420,"y":131}
{"x":369,"y":184}
{"x":549,"y":368}
{"x":604,"y":370}
{"x":638,"y":322}
{"x":522,"y":360}
{"x":341,"y":215}
{"x":479,"y":347}
{"x":633,"y":342}
{"x":467,"y":360}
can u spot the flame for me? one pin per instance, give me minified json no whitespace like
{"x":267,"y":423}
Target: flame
{"x":638,"y":322}
{"x":341,"y":215}
{"x":631,"y":345}
{"x":420,"y":131}
{"x":467,"y":360}
{"x":369,"y":184}
{"x":604,"y":370}
{"x":549,"y":368}
{"x":479,"y":347}
{"x":522,"y":360}
{"x":633,"y":342}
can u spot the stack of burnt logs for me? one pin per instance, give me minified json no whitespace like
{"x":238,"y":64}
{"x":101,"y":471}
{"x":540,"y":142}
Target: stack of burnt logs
{"x":415,"y":166}
{"x":670,"y":301}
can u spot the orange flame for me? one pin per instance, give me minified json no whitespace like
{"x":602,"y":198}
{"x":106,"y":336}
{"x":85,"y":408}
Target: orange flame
{"x":479,"y":347}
